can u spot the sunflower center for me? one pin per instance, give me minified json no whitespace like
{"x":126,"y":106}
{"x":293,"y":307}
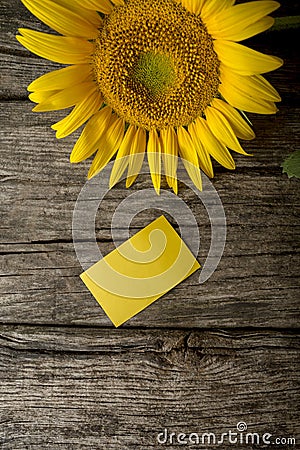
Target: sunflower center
{"x":155,"y":64}
{"x":155,"y":72}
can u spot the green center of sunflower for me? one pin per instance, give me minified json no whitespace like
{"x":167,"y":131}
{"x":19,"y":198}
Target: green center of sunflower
{"x":155,"y":64}
{"x":155,"y":72}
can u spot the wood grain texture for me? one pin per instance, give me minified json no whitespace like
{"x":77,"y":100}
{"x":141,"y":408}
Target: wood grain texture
{"x":91,"y":389}
{"x":258,"y":272}
{"x":42,"y":286}
{"x":201,"y":359}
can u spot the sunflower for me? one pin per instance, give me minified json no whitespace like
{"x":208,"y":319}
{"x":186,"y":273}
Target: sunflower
{"x":167,"y":78}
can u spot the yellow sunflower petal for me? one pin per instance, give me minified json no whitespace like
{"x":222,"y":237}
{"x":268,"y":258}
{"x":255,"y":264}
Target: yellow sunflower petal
{"x":212,"y":145}
{"x":239,"y":91}
{"x":66,"y":98}
{"x":103,"y":6}
{"x":61,"y":78}
{"x":41,"y":96}
{"x":136,"y":156}
{"x":108,"y":145}
{"x":80,"y":114}
{"x":86,"y":145}
{"x":259,"y":85}
{"x":240,"y":101}
{"x":241,"y":21}
{"x":189,"y":156}
{"x":204,"y":158}
{"x":244,"y":60}
{"x":212,"y":7}
{"x":194,"y":6}
{"x":250,"y":85}
{"x":170,"y":156}
{"x":61,"y":49}
{"x":154,"y":159}
{"x":61,"y":19}
{"x":257,"y":27}
{"x":122,"y":160}
{"x":79,"y":8}
{"x":222,"y":130}
{"x":118,"y":2}
{"x":240,"y":127}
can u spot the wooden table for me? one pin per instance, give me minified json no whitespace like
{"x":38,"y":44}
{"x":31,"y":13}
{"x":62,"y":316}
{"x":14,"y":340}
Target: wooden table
{"x":201,"y":359}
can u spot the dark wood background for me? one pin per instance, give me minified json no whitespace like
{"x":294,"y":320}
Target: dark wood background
{"x":201,"y":359}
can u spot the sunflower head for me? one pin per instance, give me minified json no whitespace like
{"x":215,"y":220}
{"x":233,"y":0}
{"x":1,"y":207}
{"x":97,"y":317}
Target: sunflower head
{"x":166,"y":78}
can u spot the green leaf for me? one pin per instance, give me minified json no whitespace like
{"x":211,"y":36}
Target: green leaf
{"x":286,"y":23}
{"x":291,"y":166}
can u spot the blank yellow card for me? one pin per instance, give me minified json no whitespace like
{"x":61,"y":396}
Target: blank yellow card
{"x":140,"y":271}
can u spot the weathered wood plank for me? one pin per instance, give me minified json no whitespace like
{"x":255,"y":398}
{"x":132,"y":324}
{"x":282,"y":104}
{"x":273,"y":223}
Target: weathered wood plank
{"x":14,"y":15}
{"x":83,"y":387}
{"x":65,"y":388}
{"x":37,"y":212}
{"x":38,"y":156}
{"x":39,"y":190}
{"x":247,"y":290}
{"x":17,"y":72}
{"x":34,"y":142}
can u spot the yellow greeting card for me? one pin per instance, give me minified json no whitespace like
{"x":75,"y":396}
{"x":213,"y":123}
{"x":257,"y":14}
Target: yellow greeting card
{"x":140,"y":271}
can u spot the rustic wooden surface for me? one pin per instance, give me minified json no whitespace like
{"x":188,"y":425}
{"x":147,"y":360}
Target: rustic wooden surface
{"x":201,"y":359}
